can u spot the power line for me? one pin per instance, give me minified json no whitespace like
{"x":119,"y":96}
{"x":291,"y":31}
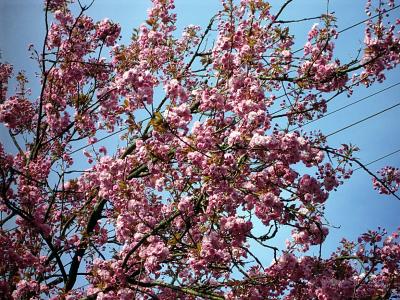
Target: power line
{"x":333,"y":133}
{"x":298,"y":50}
{"x":359,"y":23}
{"x":348,"y":105}
{"x":340,"y":31}
{"x":367,"y":19}
{"x":363,"y":120}
{"x":99,"y":140}
{"x":379,"y":159}
{"x":106,"y":137}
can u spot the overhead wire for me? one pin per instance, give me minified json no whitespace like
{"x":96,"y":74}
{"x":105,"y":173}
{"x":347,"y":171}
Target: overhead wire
{"x":360,"y":22}
{"x":346,"y":106}
{"x":330,"y":134}
{"x":106,"y":137}
{"x":340,"y":31}
{"x":368,"y":19}
{"x":281,"y":96}
{"x":99,"y":140}
{"x":363,"y":120}
{"x":379,"y":159}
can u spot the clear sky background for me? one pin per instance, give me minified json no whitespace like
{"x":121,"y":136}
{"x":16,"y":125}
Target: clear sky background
{"x":355,"y":207}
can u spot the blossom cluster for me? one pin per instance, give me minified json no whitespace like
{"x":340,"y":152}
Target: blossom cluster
{"x":389,"y":181}
{"x":204,"y":167}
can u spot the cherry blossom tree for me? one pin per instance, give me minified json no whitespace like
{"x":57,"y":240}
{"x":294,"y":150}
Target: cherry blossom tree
{"x":204,"y":159}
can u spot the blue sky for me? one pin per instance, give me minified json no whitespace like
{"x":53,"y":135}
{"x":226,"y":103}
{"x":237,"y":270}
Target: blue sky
{"x":355,"y":207}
